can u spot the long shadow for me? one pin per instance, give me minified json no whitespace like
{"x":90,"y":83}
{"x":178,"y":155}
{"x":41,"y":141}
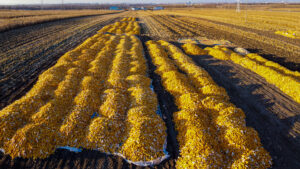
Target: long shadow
{"x":284,"y":150}
{"x":280,"y":60}
{"x":166,"y":102}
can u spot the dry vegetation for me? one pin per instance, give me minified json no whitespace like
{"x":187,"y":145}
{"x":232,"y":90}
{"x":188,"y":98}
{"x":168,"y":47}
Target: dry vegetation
{"x":25,"y":52}
{"x":145,"y":79}
{"x":257,"y":32}
{"x":16,"y":18}
{"x":268,"y":20}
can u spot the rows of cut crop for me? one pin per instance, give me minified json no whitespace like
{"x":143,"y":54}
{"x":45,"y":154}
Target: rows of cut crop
{"x":289,"y":34}
{"x":96,"y":96}
{"x":126,"y":25}
{"x":269,"y":20}
{"x":175,"y":27}
{"x":286,"y":80}
{"x":194,"y":24}
{"x":211,"y":131}
{"x":267,"y":41}
{"x":156,"y":28}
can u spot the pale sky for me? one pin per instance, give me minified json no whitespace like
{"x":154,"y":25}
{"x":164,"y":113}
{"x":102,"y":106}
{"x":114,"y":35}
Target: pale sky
{"x":13,"y":2}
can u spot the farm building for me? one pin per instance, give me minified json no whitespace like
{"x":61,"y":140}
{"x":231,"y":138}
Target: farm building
{"x":114,"y":8}
{"x":158,"y":8}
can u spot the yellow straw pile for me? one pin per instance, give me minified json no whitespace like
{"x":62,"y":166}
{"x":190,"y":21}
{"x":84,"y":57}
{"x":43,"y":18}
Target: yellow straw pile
{"x":211,"y":131}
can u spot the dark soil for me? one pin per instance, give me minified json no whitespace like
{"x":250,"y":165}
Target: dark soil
{"x":87,"y":159}
{"x":166,"y":102}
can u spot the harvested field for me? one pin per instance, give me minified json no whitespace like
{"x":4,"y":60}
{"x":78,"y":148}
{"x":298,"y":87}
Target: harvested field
{"x":144,"y":78}
{"x":283,"y":50}
{"x":28,"y":51}
{"x":11,"y":19}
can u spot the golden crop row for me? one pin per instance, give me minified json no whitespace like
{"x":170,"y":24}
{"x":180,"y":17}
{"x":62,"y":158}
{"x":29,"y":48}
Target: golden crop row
{"x":211,"y":131}
{"x":97,"y":96}
{"x":128,"y":19}
{"x":156,"y":28}
{"x":286,"y":80}
{"x":178,"y":29}
{"x":192,"y":49}
{"x":193,"y":24}
{"x":269,"y":20}
{"x":127,"y":25}
{"x":289,"y":34}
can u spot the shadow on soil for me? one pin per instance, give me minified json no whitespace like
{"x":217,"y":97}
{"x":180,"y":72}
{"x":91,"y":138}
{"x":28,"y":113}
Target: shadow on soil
{"x":166,"y":102}
{"x":280,"y":60}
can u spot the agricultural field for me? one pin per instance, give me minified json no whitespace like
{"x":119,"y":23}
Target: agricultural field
{"x":265,"y":38}
{"x":176,"y":88}
{"x":28,"y":53}
{"x":19,"y":18}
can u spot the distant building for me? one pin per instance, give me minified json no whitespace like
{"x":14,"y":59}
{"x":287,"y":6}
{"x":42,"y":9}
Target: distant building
{"x":189,"y":3}
{"x":114,"y":8}
{"x":136,"y":8}
{"x":158,"y":8}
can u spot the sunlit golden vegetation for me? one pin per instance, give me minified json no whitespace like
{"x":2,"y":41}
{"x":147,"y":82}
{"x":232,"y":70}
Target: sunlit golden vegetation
{"x":212,"y":132}
{"x":289,"y":34}
{"x":268,"y":20}
{"x":96,"y":96}
{"x":286,"y":80}
{"x":258,"y":31}
{"x":126,"y":25}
